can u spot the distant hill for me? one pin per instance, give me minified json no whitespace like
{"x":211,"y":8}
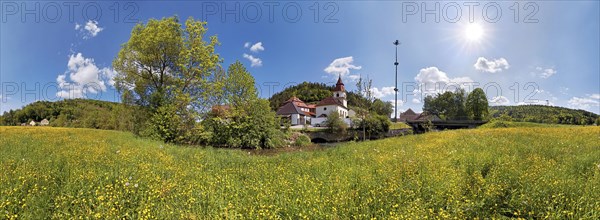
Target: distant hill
{"x":545,"y":114}
{"x":79,"y":113}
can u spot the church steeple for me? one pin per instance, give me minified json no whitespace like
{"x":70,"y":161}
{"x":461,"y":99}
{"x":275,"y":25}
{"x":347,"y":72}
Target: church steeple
{"x":339,"y":86}
{"x":339,"y":92}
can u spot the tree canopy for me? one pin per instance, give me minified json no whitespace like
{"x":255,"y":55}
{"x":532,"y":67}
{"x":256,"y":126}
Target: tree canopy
{"x":544,"y":114}
{"x":456,"y":106}
{"x":163,"y":62}
{"x":477,"y":105}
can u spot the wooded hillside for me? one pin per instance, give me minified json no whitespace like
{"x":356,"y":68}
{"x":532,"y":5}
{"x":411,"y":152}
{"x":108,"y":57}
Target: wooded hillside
{"x":545,"y":114}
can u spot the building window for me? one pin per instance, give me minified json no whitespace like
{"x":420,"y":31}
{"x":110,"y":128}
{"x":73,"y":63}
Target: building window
{"x":338,"y":95}
{"x":324,"y":109}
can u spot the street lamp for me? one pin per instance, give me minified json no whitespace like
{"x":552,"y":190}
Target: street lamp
{"x":396,"y":87}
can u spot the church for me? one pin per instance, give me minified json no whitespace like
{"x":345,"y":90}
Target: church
{"x":300,"y":113}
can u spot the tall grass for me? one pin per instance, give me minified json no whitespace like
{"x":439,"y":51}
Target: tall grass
{"x":532,"y":172}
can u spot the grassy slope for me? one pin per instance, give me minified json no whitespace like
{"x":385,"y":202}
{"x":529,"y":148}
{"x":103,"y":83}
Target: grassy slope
{"x":511,"y":124}
{"x":399,"y":125}
{"x":528,"y":172}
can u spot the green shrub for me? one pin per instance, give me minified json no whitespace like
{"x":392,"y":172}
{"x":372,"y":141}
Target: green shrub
{"x":302,"y":140}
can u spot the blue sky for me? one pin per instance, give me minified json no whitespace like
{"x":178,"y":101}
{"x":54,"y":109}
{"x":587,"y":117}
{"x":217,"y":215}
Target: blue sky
{"x":549,"y":51}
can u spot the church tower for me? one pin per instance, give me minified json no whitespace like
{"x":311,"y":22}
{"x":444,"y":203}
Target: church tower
{"x":339,"y":93}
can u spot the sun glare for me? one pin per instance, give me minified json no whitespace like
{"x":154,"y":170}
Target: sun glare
{"x":473,"y":32}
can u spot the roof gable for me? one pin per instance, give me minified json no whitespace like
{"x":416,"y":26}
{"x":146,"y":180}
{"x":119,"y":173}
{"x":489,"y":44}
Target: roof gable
{"x":289,"y":108}
{"x":330,"y":101}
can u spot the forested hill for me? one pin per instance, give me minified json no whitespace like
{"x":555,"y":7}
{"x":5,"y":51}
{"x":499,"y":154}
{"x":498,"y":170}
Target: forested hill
{"x":312,"y":93}
{"x":80,"y":113}
{"x":545,"y":114}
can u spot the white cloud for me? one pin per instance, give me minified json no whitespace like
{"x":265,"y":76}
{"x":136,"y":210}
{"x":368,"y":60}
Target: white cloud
{"x":257,"y":47}
{"x":545,"y":73}
{"x":491,"y":66}
{"x":431,"y":81}
{"x":499,"y":100}
{"x":341,"y":66}
{"x":83,"y":77}
{"x":254,"y":61}
{"x":380,"y":93}
{"x":247,"y":44}
{"x":351,"y":77}
{"x":91,"y":29}
{"x":416,"y":101}
{"x":564,"y":90}
{"x":587,"y":103}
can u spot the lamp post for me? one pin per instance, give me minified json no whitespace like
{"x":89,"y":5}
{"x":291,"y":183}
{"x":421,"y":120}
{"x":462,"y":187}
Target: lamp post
{"x":396,"y":87}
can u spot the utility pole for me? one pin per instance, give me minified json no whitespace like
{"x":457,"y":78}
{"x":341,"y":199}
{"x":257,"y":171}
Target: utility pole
{"x":396,"y":87}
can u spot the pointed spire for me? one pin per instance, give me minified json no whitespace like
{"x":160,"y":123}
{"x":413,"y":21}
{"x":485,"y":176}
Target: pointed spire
{"x":339,"y":86}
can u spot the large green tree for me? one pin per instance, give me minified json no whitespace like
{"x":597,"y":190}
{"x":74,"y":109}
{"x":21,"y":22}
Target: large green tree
{"x":163,"y":62}
{"x":477,"y":104}
{"x":382,"y":108}
{"x":168,"y":70}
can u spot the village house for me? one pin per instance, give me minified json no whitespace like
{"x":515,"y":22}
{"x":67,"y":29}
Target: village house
{"x":296,"y":111}
{"x":410,"y":116}
{"x":32,"y":123}
{"x":407,"y":115}
{"x":300,"y":113}
{"x":44,"y":122}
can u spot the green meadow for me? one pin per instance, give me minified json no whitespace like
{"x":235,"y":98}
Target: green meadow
{"x":522,"y":172}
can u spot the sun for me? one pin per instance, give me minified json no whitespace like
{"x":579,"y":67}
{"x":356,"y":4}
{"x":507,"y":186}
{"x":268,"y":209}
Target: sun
{"x":473,"y":32}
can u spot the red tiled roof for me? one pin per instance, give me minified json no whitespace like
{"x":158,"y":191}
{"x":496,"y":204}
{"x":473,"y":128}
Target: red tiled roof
{"x":297,"y":102}
{"x":408,"y":112}
{"x":408,"y":115}
{"x":330,"y":101}
{"x":309,"y":113}
{"x":288,"y":108}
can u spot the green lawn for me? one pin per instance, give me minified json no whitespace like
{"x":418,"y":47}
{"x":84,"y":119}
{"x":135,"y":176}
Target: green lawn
{"x":533,"y":172}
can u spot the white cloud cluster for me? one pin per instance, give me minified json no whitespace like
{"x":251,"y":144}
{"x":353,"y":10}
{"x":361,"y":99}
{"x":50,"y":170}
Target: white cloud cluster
{"x":353,"y":78}
{"x":491,"y":65}
{"x":90,"y":29}
{"x":431,"y":81}
{"x":257,"y":47}
{"x":384,"y":91}
{"x":499,"y":100}
{"x":254,"y":61}
{"x":83,"y":77}
{"x":545,"y":73}
{"x":589,"y":102}
{"x":341,"y":66}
